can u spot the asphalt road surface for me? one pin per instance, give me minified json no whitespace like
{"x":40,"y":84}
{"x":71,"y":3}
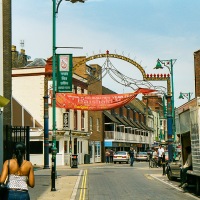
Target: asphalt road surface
{"x":122,"y":182}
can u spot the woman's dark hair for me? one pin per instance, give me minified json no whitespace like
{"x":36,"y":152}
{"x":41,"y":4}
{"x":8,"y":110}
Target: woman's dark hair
{"x":19,"y":151}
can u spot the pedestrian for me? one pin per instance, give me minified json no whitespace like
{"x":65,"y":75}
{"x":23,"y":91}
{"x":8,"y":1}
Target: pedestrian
{"x":163,"y":161}
{"x":187,"y":166}
{"x":131,"y":155}
{"x":107,"y":156}
{"x":111,"y":155}
{"x":19,"y":174}
{"x":160,"y":154}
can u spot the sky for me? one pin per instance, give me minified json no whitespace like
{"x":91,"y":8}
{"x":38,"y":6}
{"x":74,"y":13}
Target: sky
{"x":142,"y":30}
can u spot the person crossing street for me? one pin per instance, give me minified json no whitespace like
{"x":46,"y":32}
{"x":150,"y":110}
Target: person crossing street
{"x":131,"y":154}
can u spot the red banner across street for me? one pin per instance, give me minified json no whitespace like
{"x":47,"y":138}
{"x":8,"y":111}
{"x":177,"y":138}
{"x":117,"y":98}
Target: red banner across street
{"x":96,"y":102}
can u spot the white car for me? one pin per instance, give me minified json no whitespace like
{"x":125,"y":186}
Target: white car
{"x":121,"y":156}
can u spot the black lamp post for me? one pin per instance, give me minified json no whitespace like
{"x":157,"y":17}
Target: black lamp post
{"x":170,"y":104}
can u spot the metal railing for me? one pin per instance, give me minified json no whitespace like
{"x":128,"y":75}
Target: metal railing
{"x":126,"y":137}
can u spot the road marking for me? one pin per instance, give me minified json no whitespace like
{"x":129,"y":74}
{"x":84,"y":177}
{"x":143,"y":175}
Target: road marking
{"x":73,"y":196}
{"x":148,"y":176}
{"x":83,"y":186}
{"x":175,"y":187}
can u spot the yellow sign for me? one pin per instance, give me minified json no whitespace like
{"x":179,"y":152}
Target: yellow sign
{"x":3,"y":101}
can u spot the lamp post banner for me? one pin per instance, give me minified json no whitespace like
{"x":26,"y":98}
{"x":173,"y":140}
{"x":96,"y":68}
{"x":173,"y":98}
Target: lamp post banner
{"x":96,"y":102}
{"x":64,"y":73}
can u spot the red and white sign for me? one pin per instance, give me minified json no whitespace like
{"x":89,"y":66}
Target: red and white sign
{"x":96,"y":102}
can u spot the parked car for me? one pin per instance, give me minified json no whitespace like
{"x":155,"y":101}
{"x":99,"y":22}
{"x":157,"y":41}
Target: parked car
{"x":173,"y":169}
{"x":141,"y":156}
{"x":121,"y":156}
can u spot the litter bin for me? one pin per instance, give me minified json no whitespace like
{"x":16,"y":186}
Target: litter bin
{"x":74,"y":161}
{"x":87,"y":159}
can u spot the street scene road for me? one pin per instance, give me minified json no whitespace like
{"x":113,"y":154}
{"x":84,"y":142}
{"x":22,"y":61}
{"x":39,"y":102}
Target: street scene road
{"x":103,"y":181}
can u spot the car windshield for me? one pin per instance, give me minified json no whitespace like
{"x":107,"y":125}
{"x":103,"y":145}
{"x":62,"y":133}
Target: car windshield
{"x":120,"y":153}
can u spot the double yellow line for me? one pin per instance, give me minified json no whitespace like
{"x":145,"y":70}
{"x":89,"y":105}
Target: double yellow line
{"x":83,"y":186}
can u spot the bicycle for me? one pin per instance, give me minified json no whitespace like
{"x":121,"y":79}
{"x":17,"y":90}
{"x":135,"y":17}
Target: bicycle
{"x":153,"y":163}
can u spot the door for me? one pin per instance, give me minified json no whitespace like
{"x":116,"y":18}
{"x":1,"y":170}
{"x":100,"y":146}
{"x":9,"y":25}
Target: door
{"x":97,"y":151}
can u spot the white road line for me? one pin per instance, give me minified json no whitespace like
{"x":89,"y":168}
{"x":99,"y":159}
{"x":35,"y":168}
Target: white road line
{"x":73,"y":196}
{"x":175,"y":187}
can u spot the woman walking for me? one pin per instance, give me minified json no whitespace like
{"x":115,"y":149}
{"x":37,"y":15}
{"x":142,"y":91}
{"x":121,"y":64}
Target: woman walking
{"x":19,"y":173}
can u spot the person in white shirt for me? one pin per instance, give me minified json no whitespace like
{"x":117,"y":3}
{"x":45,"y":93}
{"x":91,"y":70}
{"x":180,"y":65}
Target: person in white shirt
{"x":185,"y":168}
{"x":160,"y":154}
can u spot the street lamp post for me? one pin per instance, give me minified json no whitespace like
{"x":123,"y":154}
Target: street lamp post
{"x":56,"y":4}
{"x":186,"y":95}
{"x":170,"y":103}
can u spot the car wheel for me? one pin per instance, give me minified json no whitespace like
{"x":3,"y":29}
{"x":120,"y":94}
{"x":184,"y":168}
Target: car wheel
{"x":119,"y":162}
{"x":114,"y":162}
{"x":126,"y":162}
{"x":169,"y":175}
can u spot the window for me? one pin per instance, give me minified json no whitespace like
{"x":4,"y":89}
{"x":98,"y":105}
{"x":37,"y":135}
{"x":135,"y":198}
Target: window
{"x":81,"y":147}
{"x":78,"y":146}
{"x":75,"y":120}
{"x":128,"y":113}
{"x":75,"y":89}
{"x":65,"y":146}
{"x":97,"y":124}
{"x":134,"y":116}
{"x":65,"y":120}
{"x":112,"y":112}
{"x":121,"y":112}
{"x":82,"y":120}
{"x":91,"y":127}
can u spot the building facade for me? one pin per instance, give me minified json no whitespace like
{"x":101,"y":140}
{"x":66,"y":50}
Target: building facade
{"x":72,"y":127}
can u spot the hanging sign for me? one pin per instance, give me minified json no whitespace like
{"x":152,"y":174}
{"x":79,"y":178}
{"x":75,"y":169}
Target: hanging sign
{"x":64,"y":73}
{"x":96,"y":102}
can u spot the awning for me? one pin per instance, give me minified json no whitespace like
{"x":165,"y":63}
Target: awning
{"x":135,"y":124}
{"x":130,"y":123}
{"x":122,"y":121}
{"x":147,"y":128}
{"x":111,"y":117}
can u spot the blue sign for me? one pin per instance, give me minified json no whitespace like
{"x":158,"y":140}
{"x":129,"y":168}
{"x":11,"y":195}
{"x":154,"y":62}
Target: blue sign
{"x":108,"y":143}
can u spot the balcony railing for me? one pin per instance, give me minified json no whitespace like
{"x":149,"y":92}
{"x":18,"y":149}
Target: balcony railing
{"x":126,"y":137}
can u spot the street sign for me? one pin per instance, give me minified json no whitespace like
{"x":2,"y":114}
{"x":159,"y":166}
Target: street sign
{"x":64,"y":73}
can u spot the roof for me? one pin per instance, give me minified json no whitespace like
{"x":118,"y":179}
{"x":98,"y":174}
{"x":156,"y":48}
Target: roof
{"x":37,"y":62}
{"x":105,"y":90}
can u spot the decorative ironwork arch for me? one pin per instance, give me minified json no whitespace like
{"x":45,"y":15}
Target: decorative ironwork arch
{"x":146,"y":77}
